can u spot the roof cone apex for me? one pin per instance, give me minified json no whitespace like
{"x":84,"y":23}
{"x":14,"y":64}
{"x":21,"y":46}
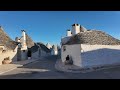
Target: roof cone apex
{"x":1,"y":27}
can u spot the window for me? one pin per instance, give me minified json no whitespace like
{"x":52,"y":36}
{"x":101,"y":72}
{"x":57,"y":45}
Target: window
{"x":64,"y":48}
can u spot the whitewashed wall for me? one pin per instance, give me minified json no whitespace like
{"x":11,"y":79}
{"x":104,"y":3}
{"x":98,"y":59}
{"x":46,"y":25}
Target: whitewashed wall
{"x":95,"y":55}
{"x":74,"y":52}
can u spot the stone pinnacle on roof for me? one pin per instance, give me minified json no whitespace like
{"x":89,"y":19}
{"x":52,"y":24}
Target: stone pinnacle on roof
{"x":82,"y":29}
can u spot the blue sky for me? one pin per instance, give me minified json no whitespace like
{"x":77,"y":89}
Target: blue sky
{"x":50,"y":26}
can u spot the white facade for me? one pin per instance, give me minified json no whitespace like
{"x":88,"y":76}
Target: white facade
{"x":75,"y":29}
{"x":69,"y":33}
{"x":92,"y":55}
{"x":74,"y":52}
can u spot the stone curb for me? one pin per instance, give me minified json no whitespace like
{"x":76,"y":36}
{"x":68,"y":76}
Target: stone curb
{"x":58,"y":67}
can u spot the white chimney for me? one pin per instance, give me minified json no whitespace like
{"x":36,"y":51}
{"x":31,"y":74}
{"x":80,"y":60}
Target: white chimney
{"x":69,"y":33}
{"x":23,"y":42}
{"x":75,"y":29}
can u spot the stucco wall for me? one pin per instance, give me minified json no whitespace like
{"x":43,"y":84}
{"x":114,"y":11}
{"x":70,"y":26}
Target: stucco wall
{"x":95,"y":55}
{"x":74,"y":52}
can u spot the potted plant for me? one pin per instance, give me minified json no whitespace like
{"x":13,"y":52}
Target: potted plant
{"x":6,"y":60}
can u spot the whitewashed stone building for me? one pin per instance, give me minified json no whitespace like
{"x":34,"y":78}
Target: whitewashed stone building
{"x":17,"y":50}
{"x":22,"y":47}
{"x":88,"y":48}
{"x":37,"y":49}
{"x":43,"y":50}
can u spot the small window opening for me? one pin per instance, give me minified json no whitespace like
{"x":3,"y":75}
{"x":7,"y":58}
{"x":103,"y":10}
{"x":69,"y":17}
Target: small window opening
{"x":64,"y":48}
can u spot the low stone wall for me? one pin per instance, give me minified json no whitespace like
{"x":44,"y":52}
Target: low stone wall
{"x":97,"y":55}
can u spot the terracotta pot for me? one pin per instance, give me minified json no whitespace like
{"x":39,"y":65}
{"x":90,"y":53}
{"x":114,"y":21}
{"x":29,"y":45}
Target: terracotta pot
{"x":6,"y":61}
